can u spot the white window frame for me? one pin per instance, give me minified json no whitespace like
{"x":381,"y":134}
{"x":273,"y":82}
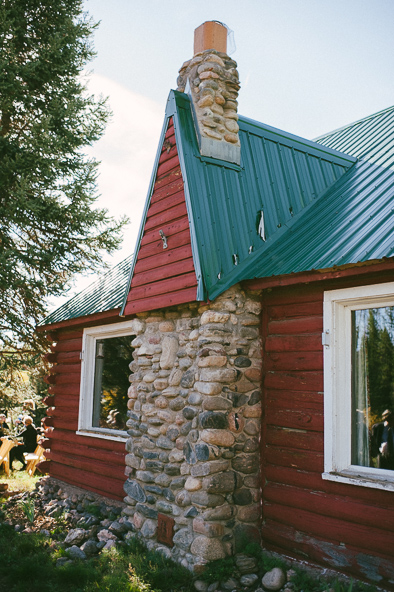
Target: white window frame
{"x":90,"y":336}
{"x":337,"y":322}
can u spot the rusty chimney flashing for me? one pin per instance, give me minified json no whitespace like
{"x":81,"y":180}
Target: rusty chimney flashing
{"x":210,"y":35}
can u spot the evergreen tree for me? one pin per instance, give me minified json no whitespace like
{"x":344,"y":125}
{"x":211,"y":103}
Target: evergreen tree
{"x":380,"y":355}
{"x":50,"y":228}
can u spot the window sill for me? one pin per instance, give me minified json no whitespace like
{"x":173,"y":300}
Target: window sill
{"x":353,"y":477}
{"x":104,"y":435}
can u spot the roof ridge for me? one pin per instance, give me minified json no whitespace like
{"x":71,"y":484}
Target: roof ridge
{"x":349,"y":125}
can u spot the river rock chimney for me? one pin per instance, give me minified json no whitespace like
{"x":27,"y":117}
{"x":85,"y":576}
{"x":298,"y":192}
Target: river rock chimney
{"x":212,"y":82}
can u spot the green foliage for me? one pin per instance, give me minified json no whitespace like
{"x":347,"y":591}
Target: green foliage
{"x":302,"y":580}
{"x":219,"y":570}
{"x":117,"y":352}
{"x":50,"y":226}
{"x":130,"y":569}
{"x":268,"y":562}
{"x":380,"y":359}
{"x":28,"y":508}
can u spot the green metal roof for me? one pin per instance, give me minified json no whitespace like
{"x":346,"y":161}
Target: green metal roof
{"x":352,"y":221}
{"x":104,"y":294}
{"x":280,"y":175}
{"x":325,"y":203}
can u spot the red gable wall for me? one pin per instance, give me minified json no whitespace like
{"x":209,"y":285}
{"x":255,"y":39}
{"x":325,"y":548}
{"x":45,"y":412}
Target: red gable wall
{"x":164,"y":277}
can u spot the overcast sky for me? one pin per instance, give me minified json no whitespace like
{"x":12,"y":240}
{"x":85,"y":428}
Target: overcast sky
{"x":305,"y":66}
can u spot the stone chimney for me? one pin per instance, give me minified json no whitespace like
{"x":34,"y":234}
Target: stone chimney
{"x":211,"y":80}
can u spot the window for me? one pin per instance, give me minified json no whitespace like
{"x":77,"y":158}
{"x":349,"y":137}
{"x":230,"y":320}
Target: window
{"x":106,"y":355}
{"x":358,"y":343}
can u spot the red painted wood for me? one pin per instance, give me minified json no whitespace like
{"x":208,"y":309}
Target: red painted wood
{"x":343,"y":558}
{"x":358,"y":535}
{"x":71,"y":378}
{"x":68,"y":358}
{"x":309,"y":324}
{"x":71,"y":389}
{"x":293,"y":361}
{"x":64,"y":414}
{"x":69,"y":435}
{"x":103,"y":485}
{"x":174,"y":176}
{"x":289,"y":311}
{"x":72,"y":345}
{"x":156,"y":248}
{"x":65,"y":424}
{"x":295,"y":343}
{"x":294,"y":438}
{"x":66,"y":368}
{"x":288,"y":399}
{"x":49,"y":379}
{"x":169,"y":202}
{"x":308,"y":381}
{"x":169,"y":270}
{"x":360,"y":269}
{"x":69,"y":334}
{"x":169,"y":229}
{"x":292,"y":476}
{"x":164,"y":258}
{"x":168,"y":215}
{"x":329,"y":505}
{"x":111,"y":470}
{"x":164,"y":277}
{"x":167,"y":165}
{"x":161,"y":194}
{"x":166,"y":286}
{"x":113,"y":457}
{"x":180,"y":297}
{"x":305,"y":419}
{"x":299,"y":459}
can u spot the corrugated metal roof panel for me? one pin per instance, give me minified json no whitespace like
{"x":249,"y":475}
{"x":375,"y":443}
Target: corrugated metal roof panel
{"x":351,"y":222}
{"x":280,"y":174}
{"x":370,"y":138}
{"x":104,"y":294}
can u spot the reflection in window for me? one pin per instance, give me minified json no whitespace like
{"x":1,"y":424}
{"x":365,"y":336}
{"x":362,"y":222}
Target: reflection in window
{"x":372,"y":387}
{"x":111,"y":382}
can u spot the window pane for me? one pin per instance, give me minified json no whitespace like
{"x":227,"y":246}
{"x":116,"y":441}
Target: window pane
{"x":111,"y":382}
{"x":372,"y":387}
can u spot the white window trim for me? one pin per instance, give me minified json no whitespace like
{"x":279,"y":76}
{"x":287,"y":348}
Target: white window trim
{"x":89,"y":339}
{"x":338,"y":306}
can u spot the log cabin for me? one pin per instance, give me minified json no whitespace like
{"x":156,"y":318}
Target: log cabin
{"x":228,"y":380}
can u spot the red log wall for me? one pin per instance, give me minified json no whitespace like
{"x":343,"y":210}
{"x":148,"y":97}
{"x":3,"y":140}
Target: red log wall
{"x":345,"y":527}
{"x":88,"y":462}
{"x":164,"y":277}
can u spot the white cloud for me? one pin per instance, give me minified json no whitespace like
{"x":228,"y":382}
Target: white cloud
{"x":127,"y":152}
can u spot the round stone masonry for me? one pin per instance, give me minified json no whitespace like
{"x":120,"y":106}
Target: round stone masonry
{"x":194,"y":423}
{"x":214,"y":83}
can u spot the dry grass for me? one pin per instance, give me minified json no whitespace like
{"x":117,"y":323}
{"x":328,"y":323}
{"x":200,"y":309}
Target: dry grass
{"x":19,"y":481}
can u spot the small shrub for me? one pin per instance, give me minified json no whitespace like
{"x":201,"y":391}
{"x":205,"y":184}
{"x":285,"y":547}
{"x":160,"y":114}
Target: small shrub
{"x":219,"y":570}
{"x":268,"y":562}
{"x":28,"y":508}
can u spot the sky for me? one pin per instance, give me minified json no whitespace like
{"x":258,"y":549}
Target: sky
{"x":305,"y":66}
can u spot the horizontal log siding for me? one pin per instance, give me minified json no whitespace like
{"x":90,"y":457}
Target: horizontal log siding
{"x":346,"y":527}
{"x":87,"y":462}
{"x":164,"y":277}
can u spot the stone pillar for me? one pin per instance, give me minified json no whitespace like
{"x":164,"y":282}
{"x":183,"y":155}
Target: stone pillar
{"x":194,"y":427}
{"x":212,"y":82}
